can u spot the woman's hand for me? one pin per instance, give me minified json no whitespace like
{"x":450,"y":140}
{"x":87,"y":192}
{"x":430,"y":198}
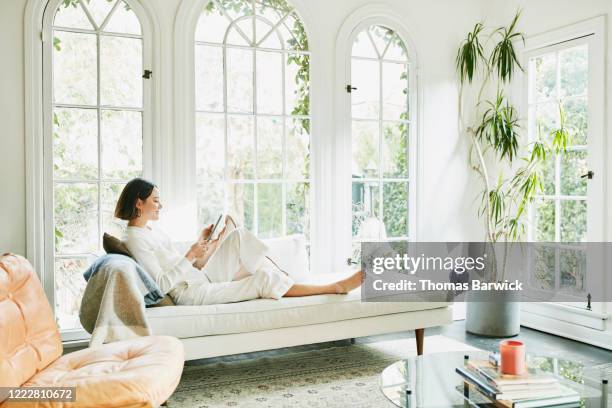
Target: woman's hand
{"x":205,"y":234}
{"x":197,"y":250}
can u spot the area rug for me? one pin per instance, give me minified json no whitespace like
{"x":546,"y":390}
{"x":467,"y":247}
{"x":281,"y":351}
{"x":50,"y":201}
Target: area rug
{"x":345,"y":376}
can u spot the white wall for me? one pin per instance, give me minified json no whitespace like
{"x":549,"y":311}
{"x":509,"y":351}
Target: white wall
{"x":436,"y":28}
{"x":12,"y":159}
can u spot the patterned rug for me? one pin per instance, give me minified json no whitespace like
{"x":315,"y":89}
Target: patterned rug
{"x":345,"y":376}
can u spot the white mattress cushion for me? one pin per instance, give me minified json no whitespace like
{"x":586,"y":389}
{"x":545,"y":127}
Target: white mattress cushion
{"x":266,"y":314}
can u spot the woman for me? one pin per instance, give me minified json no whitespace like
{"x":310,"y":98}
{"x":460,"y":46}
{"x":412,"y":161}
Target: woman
{"x":231,"y":268}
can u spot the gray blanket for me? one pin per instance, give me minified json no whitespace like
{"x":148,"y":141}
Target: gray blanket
{"x":113,"y":305}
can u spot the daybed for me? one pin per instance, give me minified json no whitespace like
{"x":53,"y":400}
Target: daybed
{"x":262,"y":324}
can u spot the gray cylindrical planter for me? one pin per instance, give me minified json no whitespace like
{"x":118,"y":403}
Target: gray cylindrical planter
{"x":493,"y":314}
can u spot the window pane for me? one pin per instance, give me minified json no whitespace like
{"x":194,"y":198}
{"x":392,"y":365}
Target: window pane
{"x":209,"y":78}
{"x":270,"y":209}
{"x":367,"y":223}
{"x":543,"y":273}
{"x":396,"y":50}
{"x":99,"y":9}
{"x":395,"y":149}
{"x":74,"y":68}
{"x":269,"y":147}
{"x":241,"y":201}
{"x":545,"y":220}
{"x":123,"y":20}
{"x":574,"y":71}
{"x":245,"y":26}
{"x":298,"y":148}
{"x":272,"y":10}
{"x":235,"y":37}
{"x":75,"y":143}
{"x":262,"y":29}
{"x":294,"y":34}
{"x":210,"y":146}
{"x":297,"y":85}
{"x":365,"y":100}
{"x":576,"y":114}
{"x":69,"y":288}
{"x":544,"y":69}
{"x":269,"y":82}
{"x":395,"y":91}
{"x":573,"y":220}
{"x":548,"y":175}
{"x":71,"y":15}
{"x":211,"y":199}
{"x":272,"y":41}
{"x":121,"y":71}
{"x":76,"y":218}
{"x":121,"y":140}
{"x":212,"y":24}
{"x":573,"y":166}
{"x":240,"y":147}
{"x":380,"y":36}
{"x":110,"y":224}
{"x":298,"y":208}
{"x":546,"y":120}
{"x":572,"y":268}
{"x":365,"y":149}
{"x":395,"y":209}
{"x":363,"y":47}
{"x":239,"y":80}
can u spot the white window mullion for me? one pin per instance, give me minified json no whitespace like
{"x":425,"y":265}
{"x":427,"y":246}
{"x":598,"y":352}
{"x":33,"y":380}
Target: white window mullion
{"x":380,"y":146}
{"x":99,"y":121}
{"x":256,"y":157}
{"x":284,"y":56}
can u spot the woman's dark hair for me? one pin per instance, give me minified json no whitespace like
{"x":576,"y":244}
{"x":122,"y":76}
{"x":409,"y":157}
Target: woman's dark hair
{"x":135,"y":189}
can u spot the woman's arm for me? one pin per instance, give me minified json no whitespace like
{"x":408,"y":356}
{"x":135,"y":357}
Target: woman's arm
{"x":180,"y":268}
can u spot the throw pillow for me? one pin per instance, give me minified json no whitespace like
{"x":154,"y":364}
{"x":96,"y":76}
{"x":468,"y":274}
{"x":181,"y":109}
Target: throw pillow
{"x":113,"y":245}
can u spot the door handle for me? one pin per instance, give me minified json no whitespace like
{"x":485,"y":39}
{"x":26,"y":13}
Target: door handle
{"x":589,"y":175}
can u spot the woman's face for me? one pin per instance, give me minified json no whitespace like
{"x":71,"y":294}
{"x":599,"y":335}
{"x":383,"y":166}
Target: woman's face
{"x":149,"y":208}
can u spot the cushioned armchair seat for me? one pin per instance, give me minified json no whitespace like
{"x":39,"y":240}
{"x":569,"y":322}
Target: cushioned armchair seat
{"x":133,"y":373}
{"x":141,"y":372}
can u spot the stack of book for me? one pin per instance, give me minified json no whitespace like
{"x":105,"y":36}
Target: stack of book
{"x":534,"y":389}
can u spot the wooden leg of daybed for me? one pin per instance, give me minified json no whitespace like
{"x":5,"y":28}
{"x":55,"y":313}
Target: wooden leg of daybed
{"x":420,"y":338}
{"x":352,"y":340}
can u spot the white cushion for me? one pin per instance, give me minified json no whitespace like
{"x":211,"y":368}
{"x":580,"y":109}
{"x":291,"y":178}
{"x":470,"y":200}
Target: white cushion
{"x":290,"y":254}
{"x":266,"y":314}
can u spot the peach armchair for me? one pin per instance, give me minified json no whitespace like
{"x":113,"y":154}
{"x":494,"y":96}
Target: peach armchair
{"x":142,"y":372}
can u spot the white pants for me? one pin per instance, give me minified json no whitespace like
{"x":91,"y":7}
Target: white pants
{"x":238,"y":270}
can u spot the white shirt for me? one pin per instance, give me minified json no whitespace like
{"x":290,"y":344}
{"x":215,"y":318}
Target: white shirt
{"x":154,"y":251}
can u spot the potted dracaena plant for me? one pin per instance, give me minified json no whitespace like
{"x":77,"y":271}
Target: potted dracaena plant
{"x":486,"y":64}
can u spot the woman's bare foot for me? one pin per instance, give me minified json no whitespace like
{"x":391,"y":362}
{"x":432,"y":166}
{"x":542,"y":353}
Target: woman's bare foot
{"x":346,"y":285}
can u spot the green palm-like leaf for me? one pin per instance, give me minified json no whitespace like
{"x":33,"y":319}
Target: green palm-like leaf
{"x":469,"y":54}
{"x":499,"y":127}
{"x":561,"y":137}
{"x":503,"y":58}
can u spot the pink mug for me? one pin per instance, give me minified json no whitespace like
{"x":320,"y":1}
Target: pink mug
{"x":512,"y":356}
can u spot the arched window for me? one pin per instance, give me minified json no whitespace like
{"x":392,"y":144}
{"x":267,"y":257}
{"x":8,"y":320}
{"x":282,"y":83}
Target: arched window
{"x":94,"y":110}
{"x":380,"y":125}
{"x":253,"y":116}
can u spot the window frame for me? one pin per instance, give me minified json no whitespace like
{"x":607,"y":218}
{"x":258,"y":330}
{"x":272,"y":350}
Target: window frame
{"x":286,"y":117}
{"x":591,"y":30}
{"x":361,"y":20}
{"x":183,"y":186}
{"x":38,"y":51}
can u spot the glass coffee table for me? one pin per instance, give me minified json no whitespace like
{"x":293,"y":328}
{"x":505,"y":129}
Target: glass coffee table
{"x":431,"y":381}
